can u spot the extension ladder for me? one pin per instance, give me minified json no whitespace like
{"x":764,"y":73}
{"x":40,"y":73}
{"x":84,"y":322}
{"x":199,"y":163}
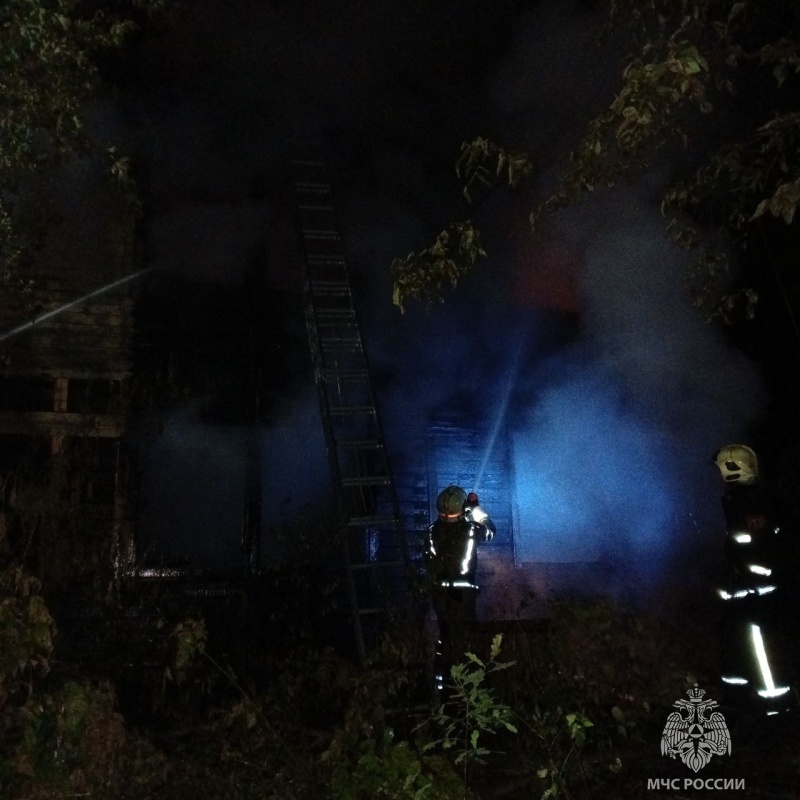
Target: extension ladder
{"x":374,"y":544}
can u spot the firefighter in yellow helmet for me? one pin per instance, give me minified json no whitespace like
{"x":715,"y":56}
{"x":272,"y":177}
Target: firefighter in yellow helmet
{"x":753,"y":658}
{"x":452,"y":561}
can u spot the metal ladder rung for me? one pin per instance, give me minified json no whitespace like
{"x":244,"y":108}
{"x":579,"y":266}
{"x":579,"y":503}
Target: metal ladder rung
{"x":317,"y":307}
{"x":338,"y":288}
{"x":363,"y":522}
{"x":316,"y":260}
{"x":345,"y":410}
{"x":312,"y":187}
{"x":355,"y":375}
{"x":325,"y":314}
{"x":311,"y":207}
{"x":341,"y":345}
{"x":353,"y":351}
{"x":316,"y":233}
{"x":336,"y":341}
{"x":339,"y":330}
{"x":369,"y":480}
{"x":361,"y":444}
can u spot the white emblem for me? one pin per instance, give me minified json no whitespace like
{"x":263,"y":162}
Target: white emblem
{"x":692,"y":735}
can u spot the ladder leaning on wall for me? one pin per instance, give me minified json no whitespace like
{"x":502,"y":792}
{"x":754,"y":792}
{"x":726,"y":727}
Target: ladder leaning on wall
{"x":375,"y":552}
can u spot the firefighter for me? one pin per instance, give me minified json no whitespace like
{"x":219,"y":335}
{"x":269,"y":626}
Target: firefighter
{"x":752,"y":660}
{"x":452,"y":562}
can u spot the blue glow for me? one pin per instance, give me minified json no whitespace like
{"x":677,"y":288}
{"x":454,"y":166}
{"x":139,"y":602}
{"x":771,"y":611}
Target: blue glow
{"x":593,"y":478}
{"x":503,"y":409}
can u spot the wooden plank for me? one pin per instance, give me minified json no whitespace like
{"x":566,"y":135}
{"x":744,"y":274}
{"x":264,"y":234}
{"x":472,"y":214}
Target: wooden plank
{"x":111,"y":317}
{"x":34,"y":423}
{"x":55,"y":342}
{"x":66,"y":294}
{"x":117,"y":371}
{"x":52,"y":349}
{"x":110,"y":370}
{"x":70,"y":365}
{"x":77,"y":315}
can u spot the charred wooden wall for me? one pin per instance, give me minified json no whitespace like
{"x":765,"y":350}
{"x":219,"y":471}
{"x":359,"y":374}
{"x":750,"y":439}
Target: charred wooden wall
{"x":65,"y":387}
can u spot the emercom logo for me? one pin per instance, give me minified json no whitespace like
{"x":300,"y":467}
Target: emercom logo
{"x":693,"y":733}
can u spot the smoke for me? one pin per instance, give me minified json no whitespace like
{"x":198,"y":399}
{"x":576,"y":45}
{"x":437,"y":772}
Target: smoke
{"x":295,"y":472}
{"x":612,"y":458}
{"x":193,"y":485}
{"x":587,"y":480}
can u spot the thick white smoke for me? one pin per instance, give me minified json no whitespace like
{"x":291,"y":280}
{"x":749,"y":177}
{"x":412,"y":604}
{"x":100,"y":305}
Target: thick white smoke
{"x":613,"y":454}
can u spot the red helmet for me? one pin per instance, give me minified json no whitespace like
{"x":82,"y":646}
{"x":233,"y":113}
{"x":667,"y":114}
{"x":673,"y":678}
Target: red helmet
{"x":472,"y":499}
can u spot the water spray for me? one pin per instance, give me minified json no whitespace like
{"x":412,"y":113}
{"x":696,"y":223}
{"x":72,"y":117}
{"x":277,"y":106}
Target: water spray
{"x":67,"y":306}
{"x":501,"y":413}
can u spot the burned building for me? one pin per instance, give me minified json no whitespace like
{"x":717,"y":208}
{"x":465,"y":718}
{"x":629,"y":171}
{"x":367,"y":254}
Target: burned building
{"x":158,"y":399}
{"x":66,"y":375}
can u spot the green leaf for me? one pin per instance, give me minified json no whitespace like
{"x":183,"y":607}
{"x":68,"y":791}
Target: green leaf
{"x":735,"y":11}
{"x":502,"y":159}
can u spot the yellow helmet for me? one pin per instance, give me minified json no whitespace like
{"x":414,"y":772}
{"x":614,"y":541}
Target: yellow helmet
{"x":737,"y":463}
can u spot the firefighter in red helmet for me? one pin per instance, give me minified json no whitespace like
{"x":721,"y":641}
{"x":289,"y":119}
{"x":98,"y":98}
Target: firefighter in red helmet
{"x":452,"y":562}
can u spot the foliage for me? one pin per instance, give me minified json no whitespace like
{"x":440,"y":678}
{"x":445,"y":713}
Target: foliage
{"x":554,"y":728}
{"x":484,"y":162}
{"x":187,"y":644}
{"x":370,"y":761}
{"x":70,"y":739}
{"x":424,"y":275}
{"x":551,"y":739}
{"x":48,"y":52}
{"x":66,"y":739}
{"x":588,"y":696}
{"x":591,"y":689}
{"x":395,"y":770}
{"x":469,"y":710}
{"x":302,"y":575}
{"x":710,"y":65}
{"x":48,"y":519}
{"x":713,"y":84}
{"x":26,"y":631}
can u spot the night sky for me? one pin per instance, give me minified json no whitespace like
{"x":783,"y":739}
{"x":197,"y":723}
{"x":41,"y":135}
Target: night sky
{"x":621,"y":392}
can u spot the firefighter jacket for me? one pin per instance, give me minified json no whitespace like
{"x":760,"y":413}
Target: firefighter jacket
{"x":754,"y":620}
{"x":452,"y":550}
{"x":753,"y":544}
